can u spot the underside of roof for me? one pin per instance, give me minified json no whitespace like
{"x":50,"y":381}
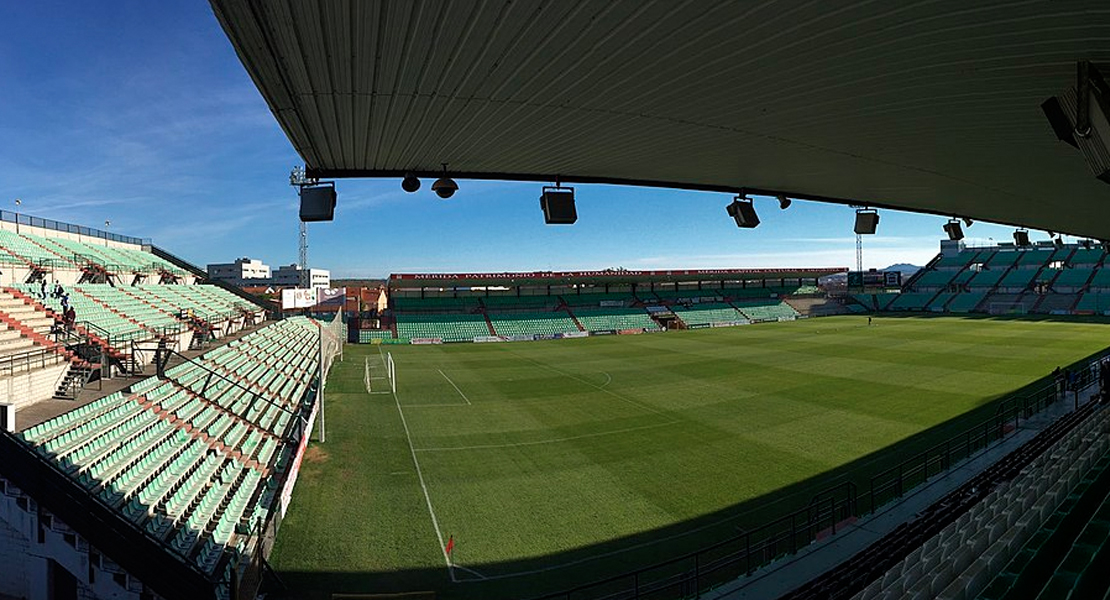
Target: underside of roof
{"x":929,"y":106}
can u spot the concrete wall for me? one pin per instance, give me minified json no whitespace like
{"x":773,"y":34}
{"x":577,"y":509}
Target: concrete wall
{"x":26,"y":388}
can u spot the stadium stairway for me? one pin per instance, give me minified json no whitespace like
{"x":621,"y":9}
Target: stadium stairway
{"x":79,"y":328}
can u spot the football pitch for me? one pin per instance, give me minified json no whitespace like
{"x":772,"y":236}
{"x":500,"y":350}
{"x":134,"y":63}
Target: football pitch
{"x":556,"y":463}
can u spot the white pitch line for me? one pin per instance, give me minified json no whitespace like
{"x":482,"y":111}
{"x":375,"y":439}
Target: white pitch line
{"x":454,"y":386}
{"x":423,"y":485}
{"x":541,"y":442}
{"x":608,"y":380}
{"x":480,"y":576}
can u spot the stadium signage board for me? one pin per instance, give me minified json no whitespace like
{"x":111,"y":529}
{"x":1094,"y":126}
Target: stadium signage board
{"x":479,"y":339}
{"x":604,"y":273}
{"x":576,"y":334}
{"x":423,"y":341}
{"x":298,"y":298}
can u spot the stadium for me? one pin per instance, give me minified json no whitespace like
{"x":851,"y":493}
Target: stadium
{"x":817,"y":431}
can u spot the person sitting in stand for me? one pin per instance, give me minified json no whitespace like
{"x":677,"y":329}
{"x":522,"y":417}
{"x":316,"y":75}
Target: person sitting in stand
{"x":70,"y":318}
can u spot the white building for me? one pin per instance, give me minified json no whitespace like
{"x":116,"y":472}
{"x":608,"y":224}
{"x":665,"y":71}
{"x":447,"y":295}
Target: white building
{"x":244,"y":271}
{"x":290,"y":276}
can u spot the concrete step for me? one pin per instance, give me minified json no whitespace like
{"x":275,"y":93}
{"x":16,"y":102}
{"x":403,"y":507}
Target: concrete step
{"x":16,"y":346}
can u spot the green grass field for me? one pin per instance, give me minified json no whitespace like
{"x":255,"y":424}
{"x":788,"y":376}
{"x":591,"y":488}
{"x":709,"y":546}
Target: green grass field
{"x":555,"y":463}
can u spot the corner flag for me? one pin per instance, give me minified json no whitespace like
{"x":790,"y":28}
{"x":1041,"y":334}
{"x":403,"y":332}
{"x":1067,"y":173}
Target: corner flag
{"x":450,"y":545}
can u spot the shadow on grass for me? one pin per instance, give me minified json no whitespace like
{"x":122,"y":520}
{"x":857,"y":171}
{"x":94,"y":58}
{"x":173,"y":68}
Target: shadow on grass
{"x":531,"y":577}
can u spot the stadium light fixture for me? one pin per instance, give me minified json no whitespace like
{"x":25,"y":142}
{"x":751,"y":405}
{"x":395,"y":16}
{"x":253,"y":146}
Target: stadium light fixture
{"x":445,"y":187}
{"x":967,"y":222}
{"x":784,"y":202}
{"x":952,"y":228}
{"x":1021,"y":237}
{"x":867,"y":221}
{"x":742,"y":211}
{"x":1059,"y":242}
{"x":410,"y":183}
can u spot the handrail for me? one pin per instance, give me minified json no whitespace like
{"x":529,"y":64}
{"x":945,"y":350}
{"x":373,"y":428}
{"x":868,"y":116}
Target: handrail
{"x":23,"y":219}
{"x":10,"y":364}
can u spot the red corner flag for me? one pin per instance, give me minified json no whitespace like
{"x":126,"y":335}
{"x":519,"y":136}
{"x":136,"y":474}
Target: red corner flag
{"x":450,"y":544}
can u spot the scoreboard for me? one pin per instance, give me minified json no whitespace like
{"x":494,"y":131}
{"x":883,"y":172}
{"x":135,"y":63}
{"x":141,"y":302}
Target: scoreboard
{"x":874,"y":279}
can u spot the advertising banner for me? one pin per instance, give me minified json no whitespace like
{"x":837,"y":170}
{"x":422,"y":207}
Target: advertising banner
{"x":631,"y":331}
{"x":331,"y":297}
{"x":297,"y":298}
{"x":482,"y":339}
{"x":287,"y":491}
{"x":576,"y":334}
{"x":421,"y":341}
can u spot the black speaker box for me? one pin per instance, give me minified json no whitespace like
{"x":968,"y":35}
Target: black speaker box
{"x":317,"y":204}
{"x":558,"y":206}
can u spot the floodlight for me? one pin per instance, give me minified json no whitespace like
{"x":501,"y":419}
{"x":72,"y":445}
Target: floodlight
{"x":952,"y":228}
{"x":1021,"y":237}
{"x":410,"y":183}
{"x":1059,"y":242}
{"x":967,"y":222}
{"x":742,"y":211}
{"x":867,"y":220}
{"x":784,"y":202}
{"x":1080,"y":116}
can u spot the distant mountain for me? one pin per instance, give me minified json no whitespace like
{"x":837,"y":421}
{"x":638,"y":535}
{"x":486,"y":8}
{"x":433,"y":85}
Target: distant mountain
{"x":905,"y":268}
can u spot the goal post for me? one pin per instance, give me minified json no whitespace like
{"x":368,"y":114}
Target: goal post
{"x":1007,"y":308}
{"x":392,"y":371}
{"x":366,"y":378}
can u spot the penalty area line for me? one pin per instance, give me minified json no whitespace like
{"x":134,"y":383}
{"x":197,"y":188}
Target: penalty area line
{"x":455,"y":386}
{"x":424,"y":486}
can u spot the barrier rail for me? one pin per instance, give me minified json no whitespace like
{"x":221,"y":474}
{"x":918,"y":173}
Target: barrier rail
{"x":22,"y":219}
{"x":692,"y":574}
{"x":25,"y":361}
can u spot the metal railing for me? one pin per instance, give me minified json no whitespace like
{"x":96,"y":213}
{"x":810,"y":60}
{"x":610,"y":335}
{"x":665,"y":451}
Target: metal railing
{"x":22,"y":219}
{"x":31,"y":359}
{"x":692,"y":574}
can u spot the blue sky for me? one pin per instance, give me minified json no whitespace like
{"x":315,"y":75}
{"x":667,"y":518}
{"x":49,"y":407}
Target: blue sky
{"x":140,"y":113}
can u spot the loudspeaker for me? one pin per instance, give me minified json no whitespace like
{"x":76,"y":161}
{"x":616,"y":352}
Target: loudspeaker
{"x":866,"y":222}
{"x":1021,"y":238}
{"x":558,"y":206}
{"x":743,"y":213}
{"x":317,"y":203}
{"x":954,"y":231}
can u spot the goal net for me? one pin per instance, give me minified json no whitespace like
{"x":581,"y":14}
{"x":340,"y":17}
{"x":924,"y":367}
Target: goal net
{"x":1007,"y":308}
